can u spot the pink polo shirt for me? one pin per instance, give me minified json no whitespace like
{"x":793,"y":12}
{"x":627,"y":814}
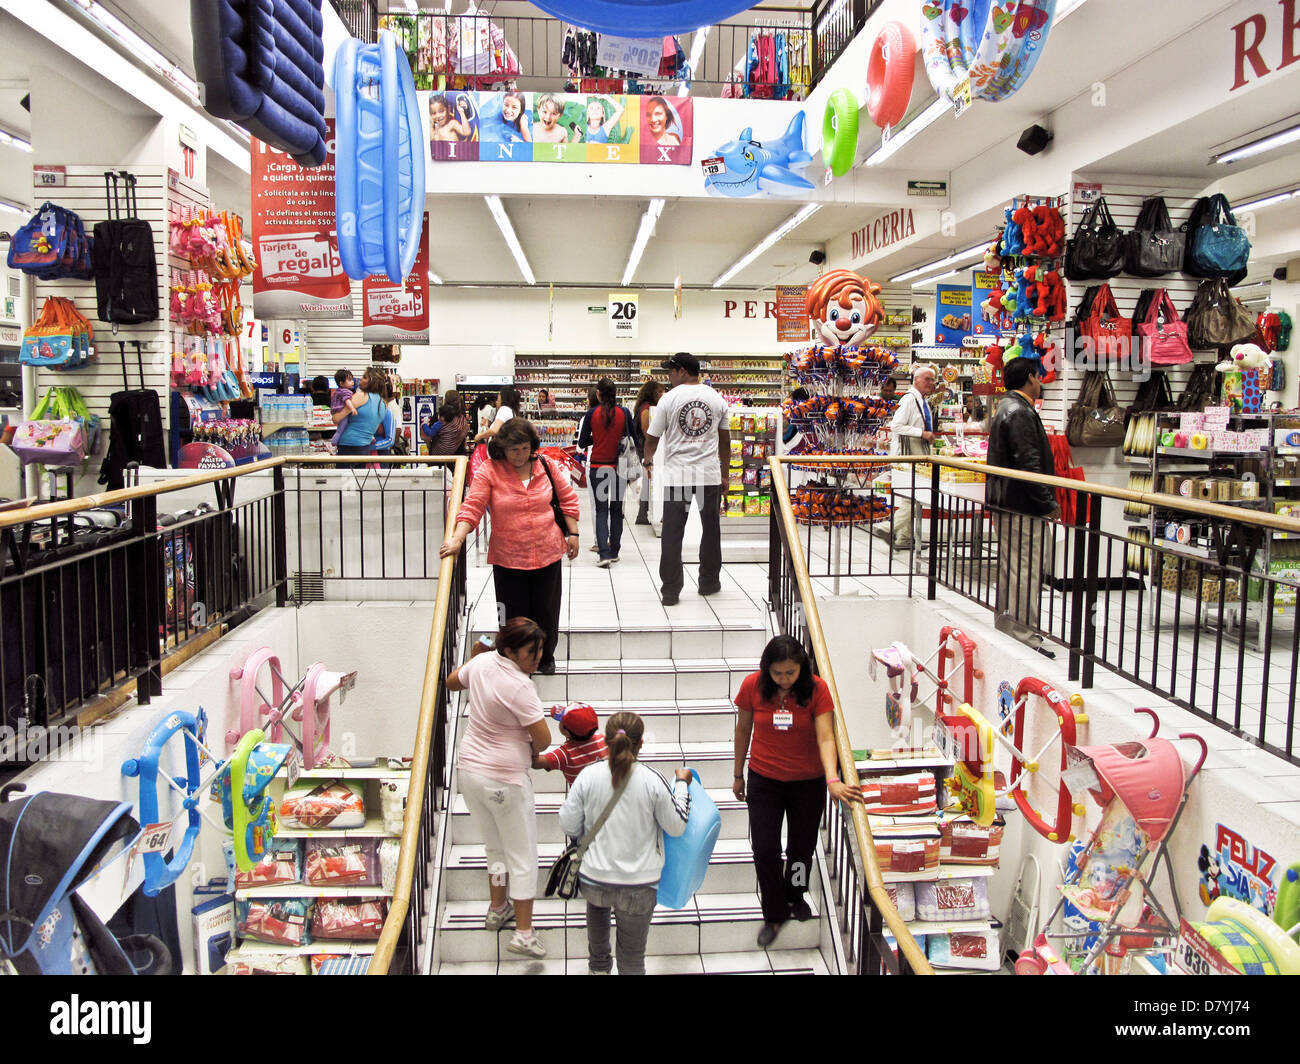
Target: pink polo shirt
{"x":525,"y":534}
{"x":502,"y":704}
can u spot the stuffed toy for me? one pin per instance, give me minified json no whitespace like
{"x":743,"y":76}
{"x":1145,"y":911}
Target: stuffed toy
{"x":1048,"y":352}
{"x":1024,"y":219}
{"x":1025,"y":290}
{"x":991,"y":308}
{"x":1013,"y":237}
{"x":1055,"y":296}
{"x":1051,"y":231}
{"x":992,"y":260}
{"x":993,"y":357}
{"x":1244,"y":357}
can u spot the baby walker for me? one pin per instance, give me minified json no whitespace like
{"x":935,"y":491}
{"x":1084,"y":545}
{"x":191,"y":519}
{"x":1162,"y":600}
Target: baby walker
{"x":904,"y":670}
{"x":1142,"y":789}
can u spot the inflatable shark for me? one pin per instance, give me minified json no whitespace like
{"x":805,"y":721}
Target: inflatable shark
{"x":752,"y":167}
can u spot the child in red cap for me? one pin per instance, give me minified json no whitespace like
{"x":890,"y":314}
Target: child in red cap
{"x":583,"y":745}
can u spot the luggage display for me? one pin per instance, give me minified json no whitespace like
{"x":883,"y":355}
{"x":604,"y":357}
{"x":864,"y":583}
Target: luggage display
{"x":126,"y":270}
{"x":135,"y":428}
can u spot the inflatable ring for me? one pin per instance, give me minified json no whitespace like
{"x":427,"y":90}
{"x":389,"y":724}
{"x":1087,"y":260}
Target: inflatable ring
{"x":890,"y":71}
{"x":1285,"y":952}
{"x":840,"y":132}
{"x":1011,"y":69}
{"x":999,"y":62}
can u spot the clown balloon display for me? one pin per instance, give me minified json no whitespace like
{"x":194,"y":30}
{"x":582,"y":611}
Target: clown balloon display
{"x":844,"y":308}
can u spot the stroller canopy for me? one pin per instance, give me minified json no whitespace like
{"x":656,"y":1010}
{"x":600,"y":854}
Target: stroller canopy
{"x":49,"y":845}
{"x":1147,"y":776}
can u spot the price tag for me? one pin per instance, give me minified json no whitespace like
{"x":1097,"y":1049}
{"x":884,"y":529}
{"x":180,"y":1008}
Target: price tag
{"x":885,"y":134}
{"x":50,"y":176}
{"x":714,"y":167}
{"x":292,"y":768}
{"x":1196,"y":956}
{"x":830,"y":176}
{"x":641,"y":55}
{"x":156,"y":838}
{"x":961,"y":99}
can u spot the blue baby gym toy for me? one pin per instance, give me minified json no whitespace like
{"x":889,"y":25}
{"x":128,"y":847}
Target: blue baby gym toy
{"x":686,"y":857}
{"x":379,"y":159}
{"x":261,"y":64}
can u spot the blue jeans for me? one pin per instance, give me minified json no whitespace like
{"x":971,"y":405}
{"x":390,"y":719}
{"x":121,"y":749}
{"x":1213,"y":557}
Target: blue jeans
{"x":633,"y":907}
{"x":607,"y":491}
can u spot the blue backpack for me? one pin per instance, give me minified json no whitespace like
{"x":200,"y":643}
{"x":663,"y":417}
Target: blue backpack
{"x":52,"y":245}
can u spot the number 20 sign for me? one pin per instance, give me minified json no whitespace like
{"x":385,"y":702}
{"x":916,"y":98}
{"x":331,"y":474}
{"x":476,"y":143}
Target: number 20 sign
{"x":623,"y":317}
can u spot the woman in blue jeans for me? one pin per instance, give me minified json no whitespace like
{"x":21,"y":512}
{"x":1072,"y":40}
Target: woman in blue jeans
{"x":621,"y":869}
{"x":365,"y":413}
{"x":603,"y":429}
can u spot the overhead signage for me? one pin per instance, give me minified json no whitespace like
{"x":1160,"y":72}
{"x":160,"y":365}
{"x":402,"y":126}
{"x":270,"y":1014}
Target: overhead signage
{"x":299,"y":274}
{"x":398,"y":313}
{"x":892,"y":227}
{"x":791,"y":317}
{"x":1251,"y":39}
{"x":624,"y":321}
{"x":927,"y":188}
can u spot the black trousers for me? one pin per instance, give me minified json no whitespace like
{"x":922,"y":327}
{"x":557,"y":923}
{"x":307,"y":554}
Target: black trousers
{"x":677,"y":507}
{"x":535,"y":594}
{"x":799,"y":804}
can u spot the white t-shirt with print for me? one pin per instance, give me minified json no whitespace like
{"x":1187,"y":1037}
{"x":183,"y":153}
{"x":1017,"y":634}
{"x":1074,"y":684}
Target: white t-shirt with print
{"x":687,"y":421}
{"x":502,"y":416}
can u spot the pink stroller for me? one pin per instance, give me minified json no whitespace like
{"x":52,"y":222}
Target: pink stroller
{"x":307,"y":703}
{"x":1142,"y":789}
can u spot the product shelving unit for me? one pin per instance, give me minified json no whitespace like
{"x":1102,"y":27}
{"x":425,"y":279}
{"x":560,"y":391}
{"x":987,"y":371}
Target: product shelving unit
{"x":568,"y":376}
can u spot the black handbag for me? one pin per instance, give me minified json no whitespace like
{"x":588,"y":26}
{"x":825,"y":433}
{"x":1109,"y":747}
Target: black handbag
{"x":555,"y":499}
{"x":1154,"y":247}
{"x":562,"y":882}
{"x":1097,"y":250}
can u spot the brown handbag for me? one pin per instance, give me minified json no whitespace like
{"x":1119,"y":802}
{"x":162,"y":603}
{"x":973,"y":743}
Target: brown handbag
{"x":1216,"y":319}
{"x":1096,"y":420}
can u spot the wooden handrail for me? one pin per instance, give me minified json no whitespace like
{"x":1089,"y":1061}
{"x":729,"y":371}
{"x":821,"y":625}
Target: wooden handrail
{"x":401,"y":902}
{"x":875,"y":882}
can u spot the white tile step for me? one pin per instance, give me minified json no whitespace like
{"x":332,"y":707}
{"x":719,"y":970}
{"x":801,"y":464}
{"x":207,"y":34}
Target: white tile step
{"x":756,"y":962}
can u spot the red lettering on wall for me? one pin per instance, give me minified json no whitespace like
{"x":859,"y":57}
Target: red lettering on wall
{"x":769,"y":309}
{"x":1243,"y":51}
{"x":1290,"y":33}
{"x":727,"y":307}
{"x":751,"y":308}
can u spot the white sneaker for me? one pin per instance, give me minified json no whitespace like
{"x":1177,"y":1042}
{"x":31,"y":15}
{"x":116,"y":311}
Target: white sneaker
{"x":605,"y":563}
{"x":528,"y":947}
{"x":497,"y":919}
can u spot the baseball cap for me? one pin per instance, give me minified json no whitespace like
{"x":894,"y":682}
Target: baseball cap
{"x":682,"y":360}
{"x":578,"y":717}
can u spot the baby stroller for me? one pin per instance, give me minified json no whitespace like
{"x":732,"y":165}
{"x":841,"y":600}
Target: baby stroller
{"x":1142,"y":789}
{"x":52,"y":844}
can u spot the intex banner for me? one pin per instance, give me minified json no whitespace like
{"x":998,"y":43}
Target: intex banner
{"x":299,"y":274}
{"x":398,"y":313}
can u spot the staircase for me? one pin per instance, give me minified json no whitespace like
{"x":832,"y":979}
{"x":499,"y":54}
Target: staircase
{"x":681,"y":681}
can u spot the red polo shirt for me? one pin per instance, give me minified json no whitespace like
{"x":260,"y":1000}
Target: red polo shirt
{"x":785,"y":754}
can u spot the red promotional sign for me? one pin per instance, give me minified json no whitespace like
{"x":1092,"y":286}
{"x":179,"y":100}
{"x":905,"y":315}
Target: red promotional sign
{"x":791,"y":317}
{"x":299,"y":273}
{"x":398,"y":313}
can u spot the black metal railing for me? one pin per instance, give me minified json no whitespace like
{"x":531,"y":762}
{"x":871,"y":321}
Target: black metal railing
{"x":1197,"y":623}
{"x":834,"y":24}
{"x":483,"y":51}
{"x":360,"y":18}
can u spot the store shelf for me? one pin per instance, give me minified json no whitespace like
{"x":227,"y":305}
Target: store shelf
{"x":1138,"y":459}
{"x":1188,"y":452}
{"x":925,"y":927}
{"x":942,"y":872}
{"x":1202,"y":554}
{"x":372,"y":772}
{"x":935,"y":760}
{"x":305,"y":890}
{"x":343,"y":947}
{"x":373,"y":828}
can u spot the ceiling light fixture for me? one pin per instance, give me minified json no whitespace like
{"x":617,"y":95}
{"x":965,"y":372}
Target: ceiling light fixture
{"x":138,"y":46}
{"x":789,"y":225}
{"x":512,"y":241}
{"x":15,"y":141}
{"x":697,"y":53}
{"x":643,"y":235}
{"x":1258,"y":147}
{"x":951,"y":260}
{"x":1267,"y":201}
{"x":14,"y":208}
{"x":910,"y":131}
{"x":923,"y":281}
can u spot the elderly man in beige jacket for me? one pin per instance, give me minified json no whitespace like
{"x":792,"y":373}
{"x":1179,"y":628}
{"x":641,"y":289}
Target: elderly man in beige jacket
{"x":911,"y":432}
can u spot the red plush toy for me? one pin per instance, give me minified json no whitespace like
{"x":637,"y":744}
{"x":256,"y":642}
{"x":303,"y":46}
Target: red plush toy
{"x":1024,"y":217}
{"x":1051,"y":229}
{"x":993,"y":356}
{"x":1047,"y":355}
{"x":1055,"y":296}
{"x":991,"y":308}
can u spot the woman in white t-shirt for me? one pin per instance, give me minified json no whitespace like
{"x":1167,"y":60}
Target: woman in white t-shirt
{"x":507,"y":406}
{"x":507,"y":727}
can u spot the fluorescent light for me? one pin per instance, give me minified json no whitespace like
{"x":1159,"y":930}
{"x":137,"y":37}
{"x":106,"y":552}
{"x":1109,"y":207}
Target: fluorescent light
{"x":1266,"y":201}
{"x":512,"y":241}
{"x":951,"y":260}
{"x":138,"y":46}
{"x":14,"y":208}
{"x":434,"y":278}
{"x":914,"y":128}
{"x":794,"y":221}
{"x":1258,"y":147}
{"x":923,"y":281}
{"x":697,"y":53}
{"x":15,"y":141}
{"x":413,"y":6}
{"x":643,"y":235}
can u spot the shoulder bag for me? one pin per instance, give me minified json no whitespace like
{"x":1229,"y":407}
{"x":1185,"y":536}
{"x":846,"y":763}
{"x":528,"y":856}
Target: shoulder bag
{"x":1216,"y":319}
{"x":1200,"y":388}
{"x":629,"y":461}
{"x":1097,"y":250}
{"x":1154,"y":247}
{"x":1218,"y":247}
{"x":1162,"y":334}
{"x":555,"y":498}
{"x":1095,"y":420}
{"x":562,"y":881}
{"x":1104,"y":325}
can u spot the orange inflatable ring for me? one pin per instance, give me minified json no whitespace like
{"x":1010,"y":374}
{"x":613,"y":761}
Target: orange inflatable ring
{"x":889,"y":74}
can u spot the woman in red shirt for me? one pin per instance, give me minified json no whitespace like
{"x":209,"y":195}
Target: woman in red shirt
{"x":603,"y":428}
{"x":784,"y":723}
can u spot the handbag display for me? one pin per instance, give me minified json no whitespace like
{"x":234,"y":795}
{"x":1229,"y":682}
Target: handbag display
{"x":1216,"y":245}
{"x":1097,"y":250}
{"x":1096,"y":419}
{"x":1154,"y":247}
{"x":562,"y":882}
{"x":1216,"y":319}
{"x":1163,"y":334}
{"x":1200,"y":388}
{"x":59,"y":338}
{"x":1104,"y":326}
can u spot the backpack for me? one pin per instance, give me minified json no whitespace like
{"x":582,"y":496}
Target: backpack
{"x":126,"y":271}
{"x":52,"y":245}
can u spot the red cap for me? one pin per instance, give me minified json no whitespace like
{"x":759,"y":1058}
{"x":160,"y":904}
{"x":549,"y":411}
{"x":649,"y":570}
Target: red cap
{"x":578,"y":717}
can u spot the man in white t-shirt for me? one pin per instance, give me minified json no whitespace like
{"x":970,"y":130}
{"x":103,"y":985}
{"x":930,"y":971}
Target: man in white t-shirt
{"x":691,"y":420}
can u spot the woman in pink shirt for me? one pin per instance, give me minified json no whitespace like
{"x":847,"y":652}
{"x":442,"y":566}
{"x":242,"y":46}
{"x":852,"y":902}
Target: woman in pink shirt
{"x":528,"y":498}
{"x":506,"y":729}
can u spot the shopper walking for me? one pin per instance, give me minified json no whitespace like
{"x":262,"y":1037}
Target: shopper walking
{"x":1020,"y":509}
{"x":620,"y":872}
{"x":527,"y":497}
{"x":364,"y":411}
{"x":603,"y":429}
{"x":911,"y":432}
{"x":507,"y":407}
{"x":691,"y":420}
{"x":646,"y":401}
{"x":784,"y":723}
{"x":506,"y":729}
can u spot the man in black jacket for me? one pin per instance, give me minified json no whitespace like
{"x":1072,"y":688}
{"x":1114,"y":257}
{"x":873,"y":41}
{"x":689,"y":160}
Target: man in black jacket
{"x":1021,"y":509}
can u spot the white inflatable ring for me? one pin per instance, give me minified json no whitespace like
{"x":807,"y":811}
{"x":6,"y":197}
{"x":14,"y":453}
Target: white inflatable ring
{"x":889,"y":74}
{"x":1284,"y":951}
{"x":954,"y":55}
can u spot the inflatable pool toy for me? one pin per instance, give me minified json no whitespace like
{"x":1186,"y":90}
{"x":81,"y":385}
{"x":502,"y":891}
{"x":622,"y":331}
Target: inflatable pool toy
{"x":686,"y":857}
{"x":844,"y":308}
{"x":1248,"y":940}
{"x":643,"y":18}
{"x":994,"y":65}
{"x":751,"y":166}
{"x":890,"y":71}
{"x":379,"y":178}
{"x":840,"y":132}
